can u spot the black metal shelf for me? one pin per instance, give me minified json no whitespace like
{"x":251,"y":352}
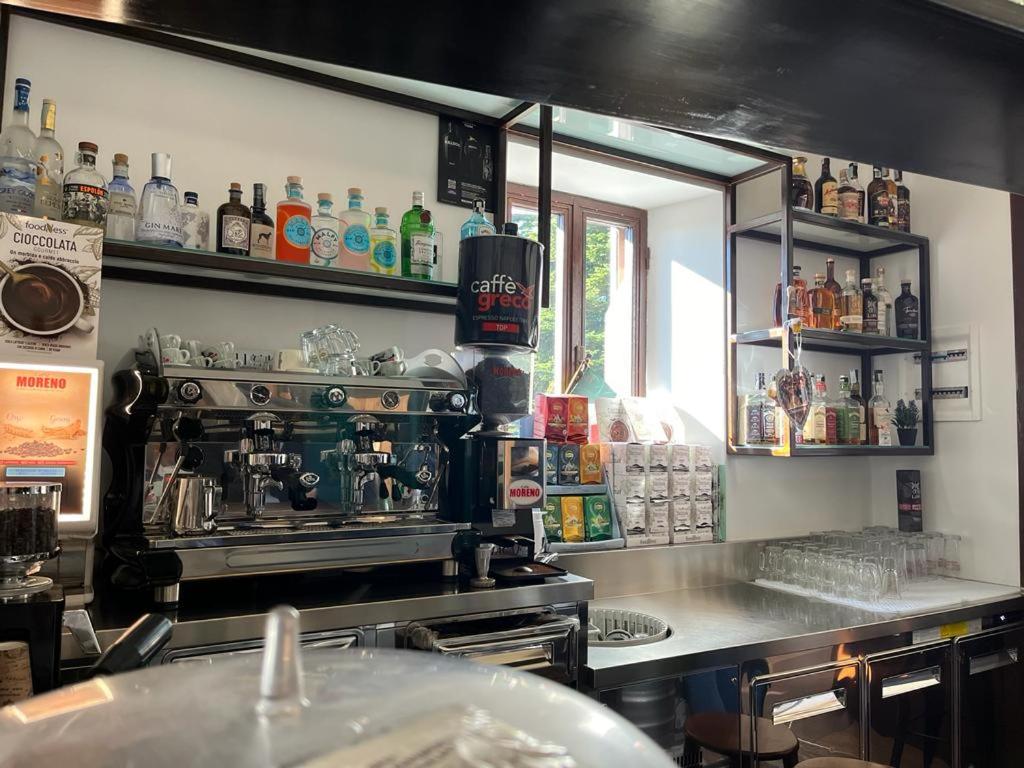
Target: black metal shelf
{"x":242,"y":274}
{"x":817,"y":232}
{"x":837,"y":342}
{"x":832,"y":450}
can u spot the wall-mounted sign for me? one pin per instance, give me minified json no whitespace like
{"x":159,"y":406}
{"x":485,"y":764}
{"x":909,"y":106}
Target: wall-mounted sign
{"x":466,"y":157}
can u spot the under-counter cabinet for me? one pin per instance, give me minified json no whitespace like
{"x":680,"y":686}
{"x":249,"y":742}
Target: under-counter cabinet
{"x":990,"y":699}
{"x":821,"y":706}
{"x":910,"y":707}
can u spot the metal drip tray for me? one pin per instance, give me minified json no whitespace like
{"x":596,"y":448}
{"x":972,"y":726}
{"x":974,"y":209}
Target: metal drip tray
{"x":611,"y":627}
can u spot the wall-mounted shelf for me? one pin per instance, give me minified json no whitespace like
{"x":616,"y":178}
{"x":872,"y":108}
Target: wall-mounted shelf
{"x":817,"y":232}
{"x":792,"y":229}
{"x":242,"y":274}
{"x":838,"y":342}
{"x":832,"y":450}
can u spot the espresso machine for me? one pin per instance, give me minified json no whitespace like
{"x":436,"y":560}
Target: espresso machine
{"x":225,"y":473}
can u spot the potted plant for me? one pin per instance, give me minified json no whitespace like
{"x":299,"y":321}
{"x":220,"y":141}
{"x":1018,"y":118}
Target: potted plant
{"x":905,"y":419}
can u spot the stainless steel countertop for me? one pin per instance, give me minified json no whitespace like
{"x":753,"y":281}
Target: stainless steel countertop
{"x":739,"y":621}
{"x":224,"y":612}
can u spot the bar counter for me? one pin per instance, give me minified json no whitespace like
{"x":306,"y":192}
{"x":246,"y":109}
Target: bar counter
{"x":738,"y":621}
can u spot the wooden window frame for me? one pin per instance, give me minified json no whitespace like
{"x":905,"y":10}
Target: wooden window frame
{"x":575,"y":209}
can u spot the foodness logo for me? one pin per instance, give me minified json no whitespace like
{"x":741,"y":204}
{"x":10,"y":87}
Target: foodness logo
{"x":501,"y":290}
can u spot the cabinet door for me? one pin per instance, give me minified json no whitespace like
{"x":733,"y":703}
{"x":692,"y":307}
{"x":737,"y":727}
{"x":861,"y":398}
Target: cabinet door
{"x":990,"y":701}
{"x":820,"y":705}
{"x":910,"y":707}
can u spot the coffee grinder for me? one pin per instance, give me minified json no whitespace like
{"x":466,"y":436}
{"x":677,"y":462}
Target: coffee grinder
{"x":497,"y":477}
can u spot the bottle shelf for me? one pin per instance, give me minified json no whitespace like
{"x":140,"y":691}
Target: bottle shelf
{"x":817,"y":232}
{"x":190,"y":268}
{"x":796,"y":451}
{"x":838,"y":342}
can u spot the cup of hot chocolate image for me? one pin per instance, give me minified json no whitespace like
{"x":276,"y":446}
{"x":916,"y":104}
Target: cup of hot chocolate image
{"x":47,"y":302}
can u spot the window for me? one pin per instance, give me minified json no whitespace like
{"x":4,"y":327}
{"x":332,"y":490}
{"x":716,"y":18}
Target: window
{"x":598,"y":279}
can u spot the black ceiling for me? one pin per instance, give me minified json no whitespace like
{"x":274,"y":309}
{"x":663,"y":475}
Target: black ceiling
{"x":906,"y":84}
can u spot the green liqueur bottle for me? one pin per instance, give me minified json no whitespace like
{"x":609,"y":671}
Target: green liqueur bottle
{"x":417,"y":231}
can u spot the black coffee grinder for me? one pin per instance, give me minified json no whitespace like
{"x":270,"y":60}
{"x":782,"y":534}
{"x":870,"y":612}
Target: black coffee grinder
{"x":497,"y":478}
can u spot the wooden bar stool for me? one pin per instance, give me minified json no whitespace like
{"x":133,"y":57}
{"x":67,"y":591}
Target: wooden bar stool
{"x":718,"y":732}
{"x":838,"y":762}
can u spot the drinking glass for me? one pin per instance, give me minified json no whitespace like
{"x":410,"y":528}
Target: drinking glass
{"x":846,"y":576}
{"x":917,"y":560}
{"x":792,"y":566}
{"x":310,"y":351}
{"x":951,"y":555}
{"x":774,"y":554}
{"x":336,"y":348}
{"x":892,"y":586}
{"x":869,"y":579}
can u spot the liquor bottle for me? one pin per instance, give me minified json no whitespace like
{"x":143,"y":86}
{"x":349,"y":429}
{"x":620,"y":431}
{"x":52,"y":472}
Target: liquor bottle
{"x":879,"y":426}
{"x":488,"y":170}
{"x":849,"y":198}
{"x":261,"y":226}
{"x":855,"y":183}
{"x":885,"y":327}
{"x":159,"y":218}
{"x":85,"y":190}
{"x":293,"y":227}
{"x":801,"y":191}
{"x":831,"y":415}
{"x":233,"y":223}
{"x":816,"y":426}
{"x":890,"y":187}
{"x":825,"y":191}
{"x":383,"y":245}
{"x":902,"y":203}
{"x":323,"y":248}
{"x":823,"y":304}
{"x":477,"y":223}
{"x":862,"y":410}
{"x":878,"y":199}
{"x":869,"y":307}
{"x":123,"y":206}
{"x":17,"y":156}
{"x":49,"y":156}
{"x":799,"y":300}
{"x":452,"y":148}
{"x":752,"y":424}
{"x":907,"y":313}
{"x":417,"y":230}
{"x":833,"y":287}
{"x":848,"y":413}
{"x":354,"y":232}
{"x":851,"y":317}
{"x":195,"y":224}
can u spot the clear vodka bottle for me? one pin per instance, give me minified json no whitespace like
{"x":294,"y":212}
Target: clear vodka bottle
{"x":17,"y":156}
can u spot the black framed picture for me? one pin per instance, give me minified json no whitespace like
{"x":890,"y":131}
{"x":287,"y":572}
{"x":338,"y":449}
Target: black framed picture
{"x":466,"y":158}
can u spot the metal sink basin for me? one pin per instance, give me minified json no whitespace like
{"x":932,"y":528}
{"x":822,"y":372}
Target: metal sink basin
{"x":617,"y":628}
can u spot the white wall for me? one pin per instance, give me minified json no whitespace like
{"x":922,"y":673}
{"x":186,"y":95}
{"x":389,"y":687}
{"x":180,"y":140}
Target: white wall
{"x":224,"y":124}
{"x":686,"y":361}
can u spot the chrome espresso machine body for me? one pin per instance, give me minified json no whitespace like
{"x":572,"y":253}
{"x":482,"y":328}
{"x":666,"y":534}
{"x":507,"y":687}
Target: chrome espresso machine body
{"x":221,"y":473}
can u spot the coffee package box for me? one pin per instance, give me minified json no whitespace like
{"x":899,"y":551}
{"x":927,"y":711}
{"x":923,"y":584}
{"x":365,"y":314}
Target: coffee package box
{"x":598,"y":514}
{"x":611,"y":422}
{"x":680,"y":485}
{"x":573,"y":516}
{"x":569,"y":464}
{"x":551,"y":417}
{"x":644,"y":420}
{"x":49,"y":307}
{"x":577,"y":428}
{"x":590,"y":464}
{"x":658,"y":457}
{"x":657,"y":486}
{"x":551,"y":463}
{"x":552,"y":518}
{"x":680,"y":512}
{"x":680,"y":458}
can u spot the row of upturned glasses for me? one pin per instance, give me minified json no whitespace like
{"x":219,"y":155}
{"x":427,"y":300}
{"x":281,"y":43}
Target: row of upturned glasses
{"x":876,"y":563}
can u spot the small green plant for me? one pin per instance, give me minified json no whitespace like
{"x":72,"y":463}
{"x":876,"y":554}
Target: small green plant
{"x":906,"y":416}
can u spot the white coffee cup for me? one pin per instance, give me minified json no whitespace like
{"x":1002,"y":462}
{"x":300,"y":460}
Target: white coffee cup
{"x":392,"y":368}
{"x":172,"y":356}
{"x":220,"y":352}
{"x":288,"y":360}
{"x":170,"y":341}
{"x":194,"y":347}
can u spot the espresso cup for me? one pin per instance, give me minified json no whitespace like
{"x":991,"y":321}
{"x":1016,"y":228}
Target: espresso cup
{"x":194,"y":347}
{"x":288,"y":360}
{"x":391,"y":354}
{"x":365,"y":366}
{"x":170,"y":341}
{"x":48,"y":305}
{"x":174,"y":356}
{"x":222,"y":351}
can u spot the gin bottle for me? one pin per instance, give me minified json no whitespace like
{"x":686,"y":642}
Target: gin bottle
{"x":908,"y":313}
{"x":354,"y":232}
{"x":869,"y":306}
{"x":85,"y":190}
{"x":159,"y":218}
{"x":884,"y":303}
{"x":862,"y":412}
{"x":261,"y":227}
{"x":293,"y":228}
{"x":323,"y":249}
{"x":851,"y":312}
{"x":417,"y":232}
{"x":847,"y":415}
{"x":122,"y":208}
{"x":49,"y":156}
{"x":195,"y":224}
{"x":477,"y":223}
{"x":879,"y":426}
{"x":383,"y":245}
{"x":233,"y":223}
{"x":17,"y":156}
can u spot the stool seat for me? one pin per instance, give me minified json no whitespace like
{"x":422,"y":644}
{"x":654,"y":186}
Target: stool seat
{"x":718,"y":732}
{"x":837,"y":762}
